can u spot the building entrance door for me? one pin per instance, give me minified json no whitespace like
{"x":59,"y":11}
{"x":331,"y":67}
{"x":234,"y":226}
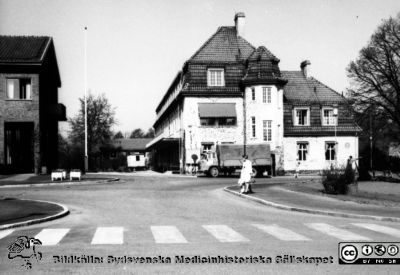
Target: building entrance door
{"x":18,"y":143}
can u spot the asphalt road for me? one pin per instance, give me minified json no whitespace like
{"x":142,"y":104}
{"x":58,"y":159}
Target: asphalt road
{"x":175,"y":217}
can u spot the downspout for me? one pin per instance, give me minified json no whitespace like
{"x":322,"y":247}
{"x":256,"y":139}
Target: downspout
{"x":244,"y":122}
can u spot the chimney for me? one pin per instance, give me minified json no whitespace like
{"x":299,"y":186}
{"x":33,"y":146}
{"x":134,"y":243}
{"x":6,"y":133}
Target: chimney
{"x":306,"y":68}
{"x":239,"y":23}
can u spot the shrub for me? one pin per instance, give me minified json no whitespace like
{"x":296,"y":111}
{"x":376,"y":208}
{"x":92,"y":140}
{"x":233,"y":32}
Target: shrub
{"x":334,"y":181}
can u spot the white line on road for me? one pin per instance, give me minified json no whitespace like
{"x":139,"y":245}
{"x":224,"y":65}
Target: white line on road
{"x":108,"y":235}
{"x":281,"y":233}
{"x":5,"y":233}
{"x":51,"y":236}
{"x":167,"y":234}
{"x":224,"y":233}
{"x":336,"y":232}
{"x":380,"y":229}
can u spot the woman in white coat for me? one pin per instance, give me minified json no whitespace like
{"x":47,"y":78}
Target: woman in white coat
{"x":245,"y":174}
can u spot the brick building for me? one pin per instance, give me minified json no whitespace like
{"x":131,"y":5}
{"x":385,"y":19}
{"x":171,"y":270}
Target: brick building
{"x":232,"y":92}
{"x":29,"y":108}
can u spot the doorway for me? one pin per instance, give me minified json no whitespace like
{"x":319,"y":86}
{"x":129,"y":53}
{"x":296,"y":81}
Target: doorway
{"x":18,"y":147}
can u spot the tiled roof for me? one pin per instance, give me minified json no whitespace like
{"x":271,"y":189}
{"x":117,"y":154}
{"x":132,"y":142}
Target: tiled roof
{"x":131,"y":144}
{"x":196,"y":89}
{"x":321,"y":130}
{"x":224,"y":46}
{"x":30,"y":49}
{"x":300,"y":89}
{"x":262,"y":68}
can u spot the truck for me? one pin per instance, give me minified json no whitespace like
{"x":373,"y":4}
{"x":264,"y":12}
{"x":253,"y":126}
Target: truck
{"x":228,"y":158}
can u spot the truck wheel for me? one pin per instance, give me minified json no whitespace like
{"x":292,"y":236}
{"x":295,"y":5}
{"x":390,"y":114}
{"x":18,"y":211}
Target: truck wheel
{"x":213,"y":172}
{"x":255,"y":172}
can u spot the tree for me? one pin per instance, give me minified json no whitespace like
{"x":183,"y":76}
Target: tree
{"x":150,"y":133}
{"x":375,"y":76}
{"x":118,"y":135}
{"x":137,"y":133}
{"x":100,"y":119}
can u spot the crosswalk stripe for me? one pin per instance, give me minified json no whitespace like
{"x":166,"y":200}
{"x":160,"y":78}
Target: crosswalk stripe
{"x":5,"y":233}
{"x":380,"y":229}
{"x":51,"y":236}
{"x":167,"y":234}
{"x":281,"y":233}
{"x":108,"y":235}
{"x":224,"y":233}
{"x":336,"y":232}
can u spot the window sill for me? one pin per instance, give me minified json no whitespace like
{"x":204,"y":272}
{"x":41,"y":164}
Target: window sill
{"x":8,"y":99}
{"x":302,"y":125}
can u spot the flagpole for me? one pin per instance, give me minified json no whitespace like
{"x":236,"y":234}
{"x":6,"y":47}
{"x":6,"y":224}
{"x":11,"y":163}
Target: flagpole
{"x":85,"y":99}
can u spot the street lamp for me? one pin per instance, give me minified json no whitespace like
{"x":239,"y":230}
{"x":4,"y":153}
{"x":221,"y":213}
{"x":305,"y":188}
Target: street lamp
{"x":86,"y":160}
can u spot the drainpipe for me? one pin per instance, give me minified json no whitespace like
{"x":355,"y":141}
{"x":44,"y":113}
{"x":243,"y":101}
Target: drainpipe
{"x":244,"y":122}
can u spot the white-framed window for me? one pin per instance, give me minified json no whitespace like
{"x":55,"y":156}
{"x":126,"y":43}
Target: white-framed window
{"x":267,"y":130}
{"x":215,"y":77}
{"x":207,"y":147}
{"x":302,"y":151}
{"x":207,"y":150}
{"x":328,"y":117}
{"x":19,"y":88}
{"x":253,"y":94}
{"x":330,"y":150}
{"x":218,"y":121}
{"x":266,"y":92}
{"x":301,"y":116}
{"x":253,"y":126}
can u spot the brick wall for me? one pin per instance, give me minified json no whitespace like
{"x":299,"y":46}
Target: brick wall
{"x":20,"y":111}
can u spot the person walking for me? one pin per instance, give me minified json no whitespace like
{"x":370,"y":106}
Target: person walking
{"x":351,"y":169}
{"x":245,"y":175}
{"x":296,"y":174}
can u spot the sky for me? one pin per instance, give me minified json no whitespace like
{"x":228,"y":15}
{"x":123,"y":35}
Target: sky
{"x":135,"y":48}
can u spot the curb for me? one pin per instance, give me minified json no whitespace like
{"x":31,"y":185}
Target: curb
{"x":311,"y":211}
{"x":59,"y":183}
{"x":61,"y":214}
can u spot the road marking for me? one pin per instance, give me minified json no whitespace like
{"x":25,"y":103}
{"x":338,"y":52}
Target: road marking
{"x":51,"y":236}
{"x":224,"y":233}
{"x":336,"y":232}
{"x":167,"y":234}
{"x":108,"y":235}
{"x":281,"y":233}
{"x":5,"y":233}
{"x":380,"y":229}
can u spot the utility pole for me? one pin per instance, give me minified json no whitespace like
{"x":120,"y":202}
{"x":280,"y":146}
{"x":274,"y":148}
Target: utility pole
{"x":370,"y":140}
{"x":85,"y":99}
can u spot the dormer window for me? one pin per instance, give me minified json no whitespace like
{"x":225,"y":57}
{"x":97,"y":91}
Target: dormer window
{"x":301,"y":116}
{"x":215,"y":77}
{"x":329,"y":118}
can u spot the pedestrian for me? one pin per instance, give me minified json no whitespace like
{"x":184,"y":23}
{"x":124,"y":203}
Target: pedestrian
{"x":245,"y":175}
{"x":351,"y":169}
{"x":296,"y":174}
